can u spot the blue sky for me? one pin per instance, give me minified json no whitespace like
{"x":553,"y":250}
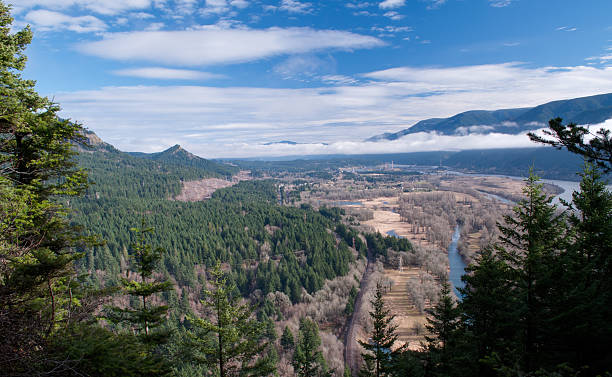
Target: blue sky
{"x":226,"y":77}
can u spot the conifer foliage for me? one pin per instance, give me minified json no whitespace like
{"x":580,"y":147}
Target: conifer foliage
{"x":442,"y":325}
{"x":380,"y":353}
{"x":145,"y":318}
{"x":38,"y":292}
{"x":537,"y":302}
{"x":308,"y":360}
{"x":230,"y":342}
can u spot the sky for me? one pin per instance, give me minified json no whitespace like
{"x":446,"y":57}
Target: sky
{"x":229,"y":78}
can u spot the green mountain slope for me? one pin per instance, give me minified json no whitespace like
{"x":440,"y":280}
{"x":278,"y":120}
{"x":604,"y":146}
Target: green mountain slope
{"x":269,"y":247}
{"x":179,"y":156}
{"x":117,"y":174}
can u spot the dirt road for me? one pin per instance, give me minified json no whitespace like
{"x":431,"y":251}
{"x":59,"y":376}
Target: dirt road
{"x":352,"y":349}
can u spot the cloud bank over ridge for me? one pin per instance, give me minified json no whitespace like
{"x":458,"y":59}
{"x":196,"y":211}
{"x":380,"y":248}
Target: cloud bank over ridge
{"x":208,"y":119}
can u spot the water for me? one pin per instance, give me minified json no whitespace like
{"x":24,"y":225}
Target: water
{"x":457,"y":266}
{"x":497,"y":197}
{"x":456,"y":263}
{"x":568,"y":186}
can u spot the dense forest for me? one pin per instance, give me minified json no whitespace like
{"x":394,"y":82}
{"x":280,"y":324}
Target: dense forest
{"x":103,"y":273}
{"x":270,"y":247}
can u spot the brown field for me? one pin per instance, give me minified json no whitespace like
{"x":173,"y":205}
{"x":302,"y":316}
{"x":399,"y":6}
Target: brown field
{"x":400,"y":305}
{"x":195,"y":191}
{"x":385,"y":220}
{"x":505,"y":187}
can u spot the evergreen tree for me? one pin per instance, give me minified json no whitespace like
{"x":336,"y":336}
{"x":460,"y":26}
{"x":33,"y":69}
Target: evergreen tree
{"x":487,"y":312}
{"x":347,"y":371}
{"x":230,"y":341}
{"x":442,"y":325}
{"x":307,"y":359}
{"x":146,"y":317}
{"x":579,"y":326}
{"x":47,"y":312}
{"x":379,"y":355}
{"x":530,"y":243}
{"x":287,"y":341}
{"x":596,"y":149}
{"x":37,"y":243}
{"x":350,"y":304}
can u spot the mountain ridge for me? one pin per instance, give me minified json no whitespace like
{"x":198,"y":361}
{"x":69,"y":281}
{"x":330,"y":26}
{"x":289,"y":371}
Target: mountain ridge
{"x":173,"y":156}
{"x":583,"y":110}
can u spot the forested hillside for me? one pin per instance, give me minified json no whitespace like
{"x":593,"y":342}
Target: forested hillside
{"x":266,"y":244}
{"x":176,"y":155}
{"x":115,"y":174}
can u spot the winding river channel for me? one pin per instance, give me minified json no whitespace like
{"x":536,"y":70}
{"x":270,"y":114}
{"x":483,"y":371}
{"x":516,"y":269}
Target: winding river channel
{"x":457,"y":264}
{"x":455,"y":261}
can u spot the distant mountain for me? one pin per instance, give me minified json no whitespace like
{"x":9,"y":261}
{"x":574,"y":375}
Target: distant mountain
{"x":174,"y":158}
{"x":585,"y":110}
{"x":179,"y":156}
{"x":287,"y":142}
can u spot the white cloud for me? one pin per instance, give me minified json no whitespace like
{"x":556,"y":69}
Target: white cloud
{"x":216,"y":45}
{"x":392,"y":4}
{"x":435,"y":4}
{"x":186,"y":6}
{"x":500,"y":3}
{"x":167,"y":73}
{"x":241,"y":4}
{"x":338,"y":79}
{"x":294,"y":6}
{"x":495,"y":76}
{"x":304,"y":67}
{"x":45,"y":20}
{"x":473,"y":130}
{"x":155,"y":26}
{"x":105,"y":7}
{"x":392,"y":29}
{"x":358,"y":5}
{"x":121,"y":21}
{"x":566,"y":28}
{"x":393,"y":15}
{"x":215,"y":7}
{"x":209,"y":120}
{"x":418,"y":142}
{"x":141,"y":15}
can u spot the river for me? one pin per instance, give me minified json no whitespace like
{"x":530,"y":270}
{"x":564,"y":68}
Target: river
{"x":456,"y":263}
{"x":568,"y":186}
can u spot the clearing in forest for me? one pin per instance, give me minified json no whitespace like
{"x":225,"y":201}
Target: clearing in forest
{"x":195,"y":191}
